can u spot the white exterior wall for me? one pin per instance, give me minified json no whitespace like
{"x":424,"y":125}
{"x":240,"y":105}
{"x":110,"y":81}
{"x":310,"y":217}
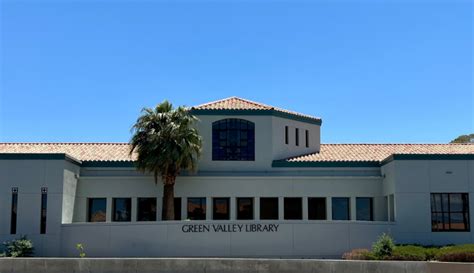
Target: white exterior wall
{"x":269,"y":142}
{"x":412,"y":182}
{"x":29,"y":176}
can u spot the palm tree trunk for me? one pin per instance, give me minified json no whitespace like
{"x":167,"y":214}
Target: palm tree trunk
{"x":168,"y":201}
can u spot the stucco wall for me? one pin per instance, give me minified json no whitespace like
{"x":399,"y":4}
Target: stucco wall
{"x":413,"y":181}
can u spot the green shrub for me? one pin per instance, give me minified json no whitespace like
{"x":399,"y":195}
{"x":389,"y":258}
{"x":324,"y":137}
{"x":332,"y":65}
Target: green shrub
{"x":459,"y":253}
{"x":359,"y":254}
{"x":409,"y":253}
{"x":383,"y":247}
{"x":18,"y":248}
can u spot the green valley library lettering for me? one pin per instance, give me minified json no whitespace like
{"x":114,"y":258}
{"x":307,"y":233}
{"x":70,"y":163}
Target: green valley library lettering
{"x":265,"y":186}
{"x":230,"y":228}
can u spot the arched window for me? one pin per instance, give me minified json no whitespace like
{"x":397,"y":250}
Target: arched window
{"x":233,"y":139}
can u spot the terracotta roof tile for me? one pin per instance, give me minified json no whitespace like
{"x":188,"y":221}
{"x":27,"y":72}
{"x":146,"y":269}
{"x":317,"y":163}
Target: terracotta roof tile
{"x":328,"y":153}
{"x":378,"y":152}
{"x":236,"y":103}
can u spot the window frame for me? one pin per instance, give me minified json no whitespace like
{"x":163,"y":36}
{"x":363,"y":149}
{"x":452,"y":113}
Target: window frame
{"x":348,"y":208}
{"x":238,"y":213}
{"x":89,"y":215}
{"x":261,"y":200}
{"x":201,"y":204}
{"x":465,"y":211}
{"x":371,"y":204}
{"x":228,"y":136}
{"x":288,"y":210}
{"x":114,"y":199}
{"x":310,"y":208}
{"x":138,"y":209}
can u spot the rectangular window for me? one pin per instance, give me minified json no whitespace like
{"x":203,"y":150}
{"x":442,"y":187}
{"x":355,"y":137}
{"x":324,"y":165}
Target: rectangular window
{"x":341,"y":208}
{"x":450,"y":212}
{"x":14,"y":211}
{"x":146,"y":209}
{"x":286,"y":135}
{"x":244,"y":208}
{"x":177,"y":208}
{"x":220,"y":208}
{"x":307,"y":138}
{"x":391,"y":203}
{"x":97,"y":209}
{"x":197,"y":208}
{"x":293,"y":208}
{"x":297,"y":137}
{"x":364,"y":209}
{"x":269,"y":208}
{"x":44,"y":204}
{"x":122,"y":209}
{"x":317,"y":208}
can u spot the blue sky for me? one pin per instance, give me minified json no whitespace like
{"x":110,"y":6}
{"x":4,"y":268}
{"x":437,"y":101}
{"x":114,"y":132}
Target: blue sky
{"x":80,"y":71}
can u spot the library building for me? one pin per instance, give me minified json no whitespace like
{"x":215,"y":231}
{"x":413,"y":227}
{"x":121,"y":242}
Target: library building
{"x":265,"y":186}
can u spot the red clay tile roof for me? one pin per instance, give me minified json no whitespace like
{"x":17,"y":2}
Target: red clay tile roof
{"x":378,"y":152}
{"x":236,"y":103}
{"x":328,"y":153}
{"x":80,"y":151}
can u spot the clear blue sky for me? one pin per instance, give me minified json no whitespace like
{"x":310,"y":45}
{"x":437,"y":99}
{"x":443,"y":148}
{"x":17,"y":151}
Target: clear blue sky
{"x":82,"y":70}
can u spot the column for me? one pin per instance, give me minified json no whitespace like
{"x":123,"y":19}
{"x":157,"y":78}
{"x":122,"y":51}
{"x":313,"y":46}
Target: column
{"x":208,"y":208}
{"x":281,"y":206}
{"x":353,"y":209}
{"x":329,"y":208}
{"x":109,"y":211}
{"x":305,"y":207}
{"x":134,"y":209}
{"x":233,"y":208}
{"x":256,"y":208}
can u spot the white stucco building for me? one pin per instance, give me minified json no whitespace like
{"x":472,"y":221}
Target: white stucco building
{"x":265,"y":187}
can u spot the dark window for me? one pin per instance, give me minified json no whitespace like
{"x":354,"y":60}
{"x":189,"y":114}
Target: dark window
{"x":197,"y":208}
{"x":233,"y":139}
{"x":122,"y":208}
{"x":286,"y":135}
{"x":97,"y":210}
{"x":244,"y":208}
{"x":341,"y":208}
{"x":293,"y":209}
{"x":14,"y":211}
{"x":269,"y":208}
{"x":364,"y":209}
{"x":177,"y":208}
{"x":307,"y":138}
{"x":297,"y":137}
{"x":220,"y":210}
{"x":44,"y":204}
{"x":317,"y":208}
{"x":450,"y":212}
{"x":146,"y":209}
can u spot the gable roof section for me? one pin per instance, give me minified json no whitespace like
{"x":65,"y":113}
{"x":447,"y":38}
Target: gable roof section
{"x":331,"y":155}
{"x":367,"y":155}
{"x":239,"y":106}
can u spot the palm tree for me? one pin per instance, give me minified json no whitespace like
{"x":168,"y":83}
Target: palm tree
{"x":166,"y":142}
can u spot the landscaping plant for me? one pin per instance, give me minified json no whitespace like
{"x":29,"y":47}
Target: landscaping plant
{"x":383,"y":247}
{"x":22,"y":247}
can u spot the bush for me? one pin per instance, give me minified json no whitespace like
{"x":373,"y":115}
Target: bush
{"x":359,"y":254}
{"x":409,"y":253}
{"x":460,"y":253}
{"x":18,"y":248}
{"x":383,"y":247}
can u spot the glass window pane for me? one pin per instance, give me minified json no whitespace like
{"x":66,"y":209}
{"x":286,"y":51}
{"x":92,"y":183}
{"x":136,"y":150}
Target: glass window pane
{"x":456,"y":202}
{"x":437,"y":221}
{"x":177,"y":208}
{"x":340,"y":208}
{"x":197,"y":208}
{"x":122,"y":208}
{"x":269,"y":208}
{"x":293,"y":208}
{"x":220,"y":209}
{"x":317,"y":208}
{"x":146,"y":209}
{"x":364,"y":209}
{"x":244,"y":208}
{"x":233,"y":139}
{"x":97,"y":210}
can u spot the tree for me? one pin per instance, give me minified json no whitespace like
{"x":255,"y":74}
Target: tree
{"x":166,"y":142}
{"x":463,"y":139}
